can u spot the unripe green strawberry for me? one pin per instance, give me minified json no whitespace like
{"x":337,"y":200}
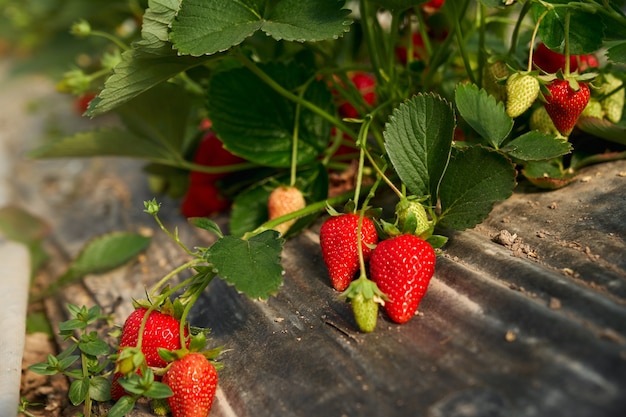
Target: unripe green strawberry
{"x":521,"y":92}
{"x":364,"y":296}
{"x":407,"y":208}
{"x":491,"y":76}
{"x":365,"y":312}
{"x":612,"y":105}
{"x":284,"y":200}
{"x":540,"y":121}
{"x":593,"y":109}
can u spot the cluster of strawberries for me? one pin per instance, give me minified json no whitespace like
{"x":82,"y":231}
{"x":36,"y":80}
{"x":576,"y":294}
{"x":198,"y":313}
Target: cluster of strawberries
{"x":191,"y":375}
{"x":566,"y":91}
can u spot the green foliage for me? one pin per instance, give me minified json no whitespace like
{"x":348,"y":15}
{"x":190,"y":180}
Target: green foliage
{"x":252,"y":266}
{"x":418,"y":139}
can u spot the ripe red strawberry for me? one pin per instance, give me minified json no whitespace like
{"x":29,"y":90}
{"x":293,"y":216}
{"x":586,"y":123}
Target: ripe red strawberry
{"x":161,"y":331}
{"x":402,"y":267}
{"x":193,"y":380}
{"x":418,"y":49}
{"x":81,"y":103}
{"x":203,"y":200}
{"x":564,"y":104}
{"x":522,"y":90}
{"x":284,"y":200}
{"x":432,"y":5}
{"x":366,"y":84}
{"x":339,"y":244}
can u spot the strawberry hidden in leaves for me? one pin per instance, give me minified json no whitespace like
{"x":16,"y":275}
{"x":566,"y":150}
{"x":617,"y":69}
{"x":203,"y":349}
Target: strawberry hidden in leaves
{"x":284,"y":200}
{"x":366,"y":85}
{"x":402,"y":267}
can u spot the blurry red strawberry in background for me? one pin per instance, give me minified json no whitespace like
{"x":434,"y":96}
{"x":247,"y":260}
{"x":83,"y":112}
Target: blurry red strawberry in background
{"x":366,"y":84}
{"x":203,"y":196}
{"x":550,"y":61}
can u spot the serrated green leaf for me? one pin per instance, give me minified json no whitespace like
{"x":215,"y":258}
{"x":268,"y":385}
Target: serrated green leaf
{"x":418,"y":139}
{"x":483,"y":113}
{"x":226,"y":23}
{"x":105,"y":253}
{"x":617,"y":53}
{"x":78,"y":391}
{"x":475,"y":180}
{"x":252,"y":266}
{"x":586,"y":30}
{"x":257,"y":123}
{"x":536,"y":146}
{"x":150,"y":61}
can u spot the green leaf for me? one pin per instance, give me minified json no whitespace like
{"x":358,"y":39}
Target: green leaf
{"x":617,"y":53}
{"x":150,"y":61}
{"x":483,"y":113}
{"x":100,"y":389}
{"x":257,"y":123}
{"x":78,"y":391}
{"x":418,"y":139}
{"x":586,"y":30}
{"x":603,"y":128}
{"x":102,"y":142}
{"x":536,"y":146}
{"x":252,"y":266}
{"x":122,"y":407}
{"x":160,"y":115}
{"x":70,"y":325}
{"x":94,"y":346}
{"x":397,"y":5}
{"x":206,"y":224}
{"x":226,"y":23}
{"x":158,"y":390}
{"x":548,"y":174}
{"x":43,"y":369}
{"x":105,"y":253}
{"x":476,"y":178}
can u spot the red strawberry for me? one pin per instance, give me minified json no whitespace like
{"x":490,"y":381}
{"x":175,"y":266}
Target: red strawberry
{"x":550,"y":61}
{"x":338,"y":241}
{"x":564,"y":104}
{"x":203,"y":197}
{"x":432,"y":5}
{"x":193,"y":380}
{"x":284,"y":200}
{"x":81,"y":103}
{"x":418,"y":49}
{"x":161,"y":331}
{"x":366,"y":84}
{"x":402,"y":267}
{"x":203,"y":200}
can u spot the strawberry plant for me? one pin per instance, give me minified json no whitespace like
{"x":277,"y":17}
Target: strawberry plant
{"x":444,"y":105}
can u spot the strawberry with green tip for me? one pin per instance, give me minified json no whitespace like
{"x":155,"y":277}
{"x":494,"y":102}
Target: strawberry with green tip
{"x":339,"y":245}
{"x":402,"y":267}
{"x":565,"y":101}
{"x":522,"y":89}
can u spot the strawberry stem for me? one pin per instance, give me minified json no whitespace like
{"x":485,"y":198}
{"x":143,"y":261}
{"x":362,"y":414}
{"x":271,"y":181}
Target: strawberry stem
{"x":532,"y":40}
{"x":568,"y":14}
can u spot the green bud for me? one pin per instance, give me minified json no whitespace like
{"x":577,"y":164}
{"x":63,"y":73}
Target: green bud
{"x":82,"y":29}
